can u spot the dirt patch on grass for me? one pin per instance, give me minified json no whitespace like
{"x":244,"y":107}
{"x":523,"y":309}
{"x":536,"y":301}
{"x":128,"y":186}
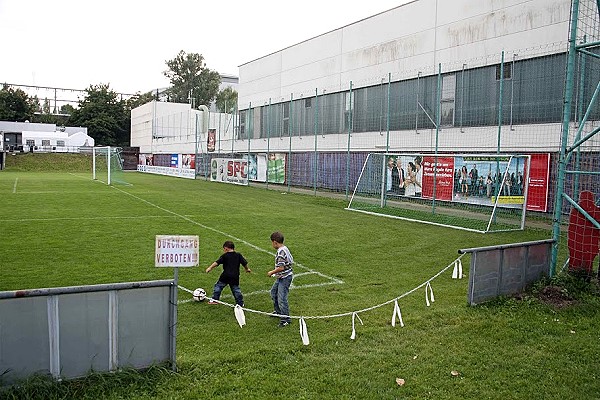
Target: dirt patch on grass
{"x":556,"y":296}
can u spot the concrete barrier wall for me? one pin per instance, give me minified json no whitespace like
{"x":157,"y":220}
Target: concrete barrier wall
{"x":68,"y":332}
{"x":506,"y":269}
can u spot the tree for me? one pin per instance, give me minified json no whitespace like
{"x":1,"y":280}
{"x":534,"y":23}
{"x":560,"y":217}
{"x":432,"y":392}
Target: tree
{"x":67,"y":109}
{"x":191,"y":81}
{"x":139,"y":99}
{"x":227,"y":100}
{"x":105,"y":116}
{"x":15,"y":105}
{"x":46,"y":106}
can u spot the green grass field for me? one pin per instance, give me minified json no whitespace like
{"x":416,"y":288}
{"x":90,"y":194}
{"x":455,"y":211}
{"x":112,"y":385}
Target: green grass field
{"x":63,"y":229}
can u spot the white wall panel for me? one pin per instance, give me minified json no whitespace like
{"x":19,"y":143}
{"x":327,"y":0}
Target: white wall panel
{"x":396,"y":23}
{"x":508,"y":24}
{"x":312,"y":51}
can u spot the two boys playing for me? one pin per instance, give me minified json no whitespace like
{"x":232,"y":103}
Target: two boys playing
{"x":231,"y":261}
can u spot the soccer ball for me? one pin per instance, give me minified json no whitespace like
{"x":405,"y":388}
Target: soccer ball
{"x":199,"y":294}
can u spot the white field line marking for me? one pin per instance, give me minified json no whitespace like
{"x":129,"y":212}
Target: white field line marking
{"x":78,"y":176}
{"x":58,"y":191}
{"x":226,"y":296}
{"x":15,"y":185}
{"x":84,"y":218}
{"x":98,"y":180}
{"x":330,"y":278}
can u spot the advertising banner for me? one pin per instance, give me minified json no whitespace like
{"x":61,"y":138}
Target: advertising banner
{"x":146,"y":159}
{"x":229,"y":170}
{"x":443,"y":175}
{"x":175,"y":161}
{"x":476,"y":179}
{"x":177,"y":172}
{"x":188,"y":161}
{"x":537,"y":182}
{"x":274,"y":166}
{"x":211,"y":139}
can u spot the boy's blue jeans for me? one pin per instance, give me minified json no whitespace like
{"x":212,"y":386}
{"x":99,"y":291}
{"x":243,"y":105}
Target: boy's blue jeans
{"x":279,"y":294}
{"x":235,"y":289}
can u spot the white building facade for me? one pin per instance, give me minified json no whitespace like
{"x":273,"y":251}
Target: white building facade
{"x":167,"y":128}
{"x":27,"y":136}
{"x":485,"y":68}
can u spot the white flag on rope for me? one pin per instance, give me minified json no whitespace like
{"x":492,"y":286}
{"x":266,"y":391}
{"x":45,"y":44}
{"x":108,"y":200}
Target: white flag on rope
{"x":304,"y":332}
{"x":355,"y":315}
{"x":457,"y":272}
{"x":429,"y":295}
{"x":239,"y":315}
{"x":398,"y":314}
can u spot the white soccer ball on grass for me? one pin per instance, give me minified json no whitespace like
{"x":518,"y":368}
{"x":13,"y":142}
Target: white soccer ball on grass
{"x":199,"y":294}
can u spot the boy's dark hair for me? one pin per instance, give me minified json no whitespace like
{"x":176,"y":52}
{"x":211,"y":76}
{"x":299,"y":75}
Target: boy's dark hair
{"x":229,"y":244}
{"x":277,"y":237}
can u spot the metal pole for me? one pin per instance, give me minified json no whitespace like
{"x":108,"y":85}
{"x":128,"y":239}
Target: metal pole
{"x":268,"y":139}
{"x":501,"y":89}
{"x":349,"y":131}
{"x":248,"y":131}
{"x":387,"y":142}
{"x":512,"y":90}
{"x":437,"y":133}
{"x":220,"y":113}
{"x":417,"y":110}
{"x":196,"y":146}
{"x":579,"y":106}
{"x":173,"y":327}
{"x":568,"y":98}
{"x":108,"y":162}
{"x":315,"y":164}
{"x":462,"y":96}
{"x":289,"y":160}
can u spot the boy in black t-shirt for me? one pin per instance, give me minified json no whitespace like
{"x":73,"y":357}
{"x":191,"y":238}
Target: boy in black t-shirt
{"x":231,"y":262}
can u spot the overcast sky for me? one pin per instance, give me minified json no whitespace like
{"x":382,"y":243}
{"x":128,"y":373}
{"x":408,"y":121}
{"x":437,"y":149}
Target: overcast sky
{"x":125,"y":43}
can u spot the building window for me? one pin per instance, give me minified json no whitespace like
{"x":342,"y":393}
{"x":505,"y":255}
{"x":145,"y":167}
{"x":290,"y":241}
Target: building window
{"x":447,"y":100}
{"x":30,"y":142}
{"x":507,"y":71}
{"x":286,"y":118}
{"x":45,"y":142}
{"x":242,"y":124}
{"x":60,"y":143}
{"x":308,"y":103}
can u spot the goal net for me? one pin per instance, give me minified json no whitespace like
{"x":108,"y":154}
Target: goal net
{"x":107,"y":165}
{"x":480,"y":193}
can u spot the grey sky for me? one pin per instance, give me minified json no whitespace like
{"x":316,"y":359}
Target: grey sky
{"x":76,"y":43}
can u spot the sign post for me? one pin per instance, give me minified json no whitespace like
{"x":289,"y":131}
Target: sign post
{"x":175,"y":251}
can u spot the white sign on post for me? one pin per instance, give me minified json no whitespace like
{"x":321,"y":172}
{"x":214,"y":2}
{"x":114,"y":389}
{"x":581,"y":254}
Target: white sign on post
{"x":176,"y":251}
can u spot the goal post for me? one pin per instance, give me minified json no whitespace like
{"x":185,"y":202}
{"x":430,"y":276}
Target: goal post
{"x":473,"y":192}
{"x":107,"y":165}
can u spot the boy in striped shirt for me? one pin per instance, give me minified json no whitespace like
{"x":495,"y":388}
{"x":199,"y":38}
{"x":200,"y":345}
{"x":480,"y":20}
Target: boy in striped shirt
{"x":284,"y":276}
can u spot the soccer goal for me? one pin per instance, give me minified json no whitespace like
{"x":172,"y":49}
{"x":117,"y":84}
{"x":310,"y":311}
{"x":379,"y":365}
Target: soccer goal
{"x":107,"y":165}
{"x":479,"y":193}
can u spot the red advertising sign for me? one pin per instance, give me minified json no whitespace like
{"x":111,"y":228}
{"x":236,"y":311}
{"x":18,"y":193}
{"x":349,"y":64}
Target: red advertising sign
{"x":443,"y":175}
{"x":537,"y":182}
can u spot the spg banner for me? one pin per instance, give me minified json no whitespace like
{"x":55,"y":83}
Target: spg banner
{"x":229,"y":170}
